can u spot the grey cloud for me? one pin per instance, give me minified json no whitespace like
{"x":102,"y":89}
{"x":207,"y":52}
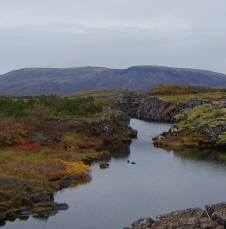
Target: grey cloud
{"x":119,"y":33}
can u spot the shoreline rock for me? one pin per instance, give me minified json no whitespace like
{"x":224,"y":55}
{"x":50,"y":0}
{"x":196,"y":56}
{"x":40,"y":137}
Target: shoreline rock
{"x":212,"y":216}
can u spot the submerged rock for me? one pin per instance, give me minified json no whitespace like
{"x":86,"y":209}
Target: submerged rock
{"x":104,"y":165}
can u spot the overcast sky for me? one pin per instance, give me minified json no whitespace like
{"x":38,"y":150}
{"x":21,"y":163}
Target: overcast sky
{"x":113,"y":33}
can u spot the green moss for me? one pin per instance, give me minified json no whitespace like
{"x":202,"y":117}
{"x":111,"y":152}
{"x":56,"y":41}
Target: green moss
{"x":221,"y":138}
{"x":185,"y":98}
{"x":207,"y":115}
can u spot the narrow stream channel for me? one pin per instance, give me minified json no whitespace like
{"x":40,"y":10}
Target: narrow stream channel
{"x":158,"y":183}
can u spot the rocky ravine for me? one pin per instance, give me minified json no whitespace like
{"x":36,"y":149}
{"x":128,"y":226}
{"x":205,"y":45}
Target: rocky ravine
{"x":198,"y":124}
{"x":198,"y":119}
{"x":213,"y":216}
{"x":151,"y":108}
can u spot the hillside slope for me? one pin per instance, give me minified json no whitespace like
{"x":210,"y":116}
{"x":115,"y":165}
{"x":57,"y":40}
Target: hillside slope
{"x":36,"y":81}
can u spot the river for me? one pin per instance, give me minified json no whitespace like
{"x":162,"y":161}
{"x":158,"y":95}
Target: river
{"x":158,"y":183}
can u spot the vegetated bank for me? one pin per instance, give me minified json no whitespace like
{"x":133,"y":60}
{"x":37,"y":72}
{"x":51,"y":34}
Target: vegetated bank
{"x":198,"y":117}
{"x":47,"y":143}
{"x":197,"y":114}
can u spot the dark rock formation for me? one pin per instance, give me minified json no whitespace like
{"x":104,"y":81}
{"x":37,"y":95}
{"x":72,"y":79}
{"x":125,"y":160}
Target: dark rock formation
{"x":39,"y":205}
{"x":152,"y":109}
{"x":130,"y":103}
{"x":104,"y":165}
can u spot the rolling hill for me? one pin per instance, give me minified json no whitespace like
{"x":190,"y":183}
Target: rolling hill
{"x":64,"y":81}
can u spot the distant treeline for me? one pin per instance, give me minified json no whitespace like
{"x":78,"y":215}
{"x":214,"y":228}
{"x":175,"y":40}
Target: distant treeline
{"x":47,"y":105}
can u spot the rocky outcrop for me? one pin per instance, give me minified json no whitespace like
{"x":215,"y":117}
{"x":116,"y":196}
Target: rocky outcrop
{"x":213,"y":216}
{"x":39,"y":205}
{"x":153,"y":109}
{"x":181,"y":107}
{"x":114,"y":129}
{"x":130,"y":103}
{"x":217,"y":212}
{"x":104,"y":165}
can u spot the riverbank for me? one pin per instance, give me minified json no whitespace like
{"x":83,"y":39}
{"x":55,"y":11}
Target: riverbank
{"x":158,"y":183}
{"x":198,"y":115}
{"x":42,"y":153}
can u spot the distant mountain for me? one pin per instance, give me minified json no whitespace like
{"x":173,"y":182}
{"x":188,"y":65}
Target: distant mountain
{"x":64,"y":81}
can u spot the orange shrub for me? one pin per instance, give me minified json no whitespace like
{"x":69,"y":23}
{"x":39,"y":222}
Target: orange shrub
{"x":53,"y":169}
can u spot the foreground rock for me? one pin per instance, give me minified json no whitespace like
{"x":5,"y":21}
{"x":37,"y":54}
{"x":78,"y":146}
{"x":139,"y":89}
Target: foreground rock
{"x":217,"y":212}
{"x":40,"y":205}
{"x":213,"y":216}
{"x":104,"y":165}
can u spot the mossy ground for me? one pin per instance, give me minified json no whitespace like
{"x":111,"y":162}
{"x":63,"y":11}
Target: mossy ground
{"x":187,"y":142}
{"x":61,"y":157}
{"x":49,"y":152}
{"x":105,"y":96}
{"x":199,"y":128}
{"x":185,"y":98}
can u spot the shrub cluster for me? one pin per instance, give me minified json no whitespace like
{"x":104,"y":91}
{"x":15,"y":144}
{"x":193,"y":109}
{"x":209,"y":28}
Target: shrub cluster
{"x":48,"y":105}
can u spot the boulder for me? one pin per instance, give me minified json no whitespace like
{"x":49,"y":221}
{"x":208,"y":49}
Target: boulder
{"x":104,"y":165}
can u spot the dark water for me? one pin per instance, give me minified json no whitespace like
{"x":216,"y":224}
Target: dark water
{"x":159,"y":183}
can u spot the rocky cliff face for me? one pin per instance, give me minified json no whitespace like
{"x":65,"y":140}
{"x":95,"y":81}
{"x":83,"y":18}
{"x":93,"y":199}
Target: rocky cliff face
{"x":151,"y":108}
{"x":203,"y":120}
{"x":130,"y":102}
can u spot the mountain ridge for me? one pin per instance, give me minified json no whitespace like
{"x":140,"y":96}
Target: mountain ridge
{"x":63,"y":81}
